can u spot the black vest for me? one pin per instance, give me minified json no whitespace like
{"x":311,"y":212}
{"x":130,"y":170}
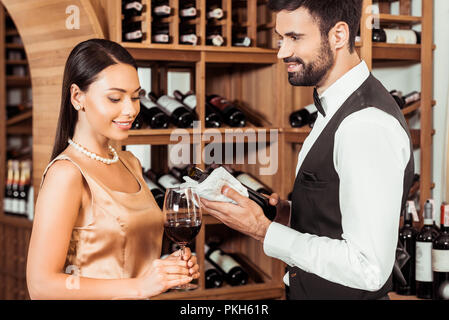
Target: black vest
{"x":315,"y":199}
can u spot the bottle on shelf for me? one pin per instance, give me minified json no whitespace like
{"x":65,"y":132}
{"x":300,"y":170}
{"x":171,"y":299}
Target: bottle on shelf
{"x":241,"y":41}
{"x":405,"y":101}
{"x":424,"y":240}
{"x":164,"y":180}
{"x":180,"y":115}
{"x":161,"y":8}
{"x":138,"y":122}
{"x":7,"y":201}
{"x":214,"y":38}
{"x":303,"y":117}
{"x":132,"y":9}
{"x":179,"y":172}
{"x":213,"y":118}
{"x":161,"y":35}
{"x":152,"y":114}
{"x":229,"y":112}
{"x":396,"y":36}
{"x":213,"y":277}
{"x":440,"y":256}
{"x":214,"y":12}
{"x":132,"y":32}
{"x":187,"y":35}
{"x":270,"y":211}
{"x":158,"y":193}
{"x":227,"y":265}
{"x":407,"y":237}
{"x":187,"y":10}
{"x":15,"y":204}
{"x":23,"y":188}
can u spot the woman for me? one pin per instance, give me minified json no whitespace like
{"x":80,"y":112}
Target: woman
{"x":97,"y":232}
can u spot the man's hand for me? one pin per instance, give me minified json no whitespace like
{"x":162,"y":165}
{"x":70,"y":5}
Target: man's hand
{"x":282,"y":209}
{"x":246,"y":217}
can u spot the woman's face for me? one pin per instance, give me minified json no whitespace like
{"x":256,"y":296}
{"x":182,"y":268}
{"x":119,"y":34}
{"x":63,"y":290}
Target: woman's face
{"x":111,"y":103}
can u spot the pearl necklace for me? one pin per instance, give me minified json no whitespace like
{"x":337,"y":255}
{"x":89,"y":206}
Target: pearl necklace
{"x":93,"y":155}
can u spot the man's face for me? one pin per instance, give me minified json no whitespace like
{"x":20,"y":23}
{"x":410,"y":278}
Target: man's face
{"x":306,"y":52}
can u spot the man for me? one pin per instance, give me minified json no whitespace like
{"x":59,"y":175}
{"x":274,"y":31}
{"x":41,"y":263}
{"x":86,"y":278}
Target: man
{"x":354,"y":170}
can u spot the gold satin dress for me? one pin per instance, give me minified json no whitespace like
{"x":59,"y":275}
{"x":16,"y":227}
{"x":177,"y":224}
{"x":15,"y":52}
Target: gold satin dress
{"x":118,"y":235}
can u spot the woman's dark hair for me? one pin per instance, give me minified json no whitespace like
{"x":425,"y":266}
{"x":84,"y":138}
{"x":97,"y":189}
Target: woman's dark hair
{"x":83,"y":65}
{"x":328,"y":13}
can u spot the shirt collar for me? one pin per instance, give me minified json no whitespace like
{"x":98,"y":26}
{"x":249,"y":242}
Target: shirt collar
{"x":334,"y":96}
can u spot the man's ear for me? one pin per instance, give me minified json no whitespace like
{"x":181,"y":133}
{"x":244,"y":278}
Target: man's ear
{"x":339,"y":35}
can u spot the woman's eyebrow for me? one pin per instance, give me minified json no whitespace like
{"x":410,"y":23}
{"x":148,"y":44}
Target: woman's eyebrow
{"x":123,"y":90}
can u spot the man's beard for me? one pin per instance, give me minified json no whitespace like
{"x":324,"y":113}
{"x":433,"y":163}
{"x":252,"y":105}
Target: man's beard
{"x":312,"y":73}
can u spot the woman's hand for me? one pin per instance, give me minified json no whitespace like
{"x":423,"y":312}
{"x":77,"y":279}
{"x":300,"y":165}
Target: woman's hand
{"x":168,"y":273}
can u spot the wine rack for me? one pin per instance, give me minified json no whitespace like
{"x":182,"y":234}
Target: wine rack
{"x":251,"y":76}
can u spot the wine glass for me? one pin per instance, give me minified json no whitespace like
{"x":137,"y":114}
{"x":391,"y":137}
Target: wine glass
{"x":182,"y":219}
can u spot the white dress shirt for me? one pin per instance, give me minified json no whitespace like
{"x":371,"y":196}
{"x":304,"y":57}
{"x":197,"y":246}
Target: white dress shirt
{"x":371,"y":152}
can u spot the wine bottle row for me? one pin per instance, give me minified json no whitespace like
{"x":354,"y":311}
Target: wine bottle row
{"x":423,"y":256}
{"x":404,"y":101}
{"x":158,"y":183}
{"x":158,"y":112}
{"x":18,"y":198}
{"x":134,"y":13}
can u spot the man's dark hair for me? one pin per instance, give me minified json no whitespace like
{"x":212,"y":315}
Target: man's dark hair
{"x":328,"y":13}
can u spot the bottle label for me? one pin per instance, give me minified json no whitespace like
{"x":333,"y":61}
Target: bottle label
{"x":413,"y":98}
{"x":226,"y":262}
{"x":445,"y":216}
{"x":22,"y":207}
{"x":168,"y":181}
{"x":424,"y":261}
{"x":161,"y":38}
{"x":249,"y":181}
{"x":169,"y":104}
{"x":134,"y":35}
{"x":7,"y":204}
{"x":220,"y":103}
{"x":162,"y":10}
{"x":189,"y":38}
{"x":134,"y":5}
{"x":440,"y":260}
{"x":208,"y":265}
{"x":147,"y":103}
{"x":215,"y":14}
{"x":190,"y":101}
{"x":245,"y":42}
{"x":401,"y":36}
{"x":189,"y":12}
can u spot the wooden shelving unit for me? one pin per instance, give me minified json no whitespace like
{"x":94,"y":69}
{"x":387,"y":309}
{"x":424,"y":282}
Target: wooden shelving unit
{"x":15,"y":231}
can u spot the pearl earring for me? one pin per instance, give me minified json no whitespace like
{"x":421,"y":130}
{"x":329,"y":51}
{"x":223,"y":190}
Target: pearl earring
{"x":77,"y":108}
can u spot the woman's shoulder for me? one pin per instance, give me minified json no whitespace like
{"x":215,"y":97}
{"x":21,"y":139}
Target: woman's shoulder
{"x":63,"y":172}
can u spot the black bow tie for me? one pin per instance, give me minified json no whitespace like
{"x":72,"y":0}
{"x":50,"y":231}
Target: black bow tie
{"x":317,"y":102}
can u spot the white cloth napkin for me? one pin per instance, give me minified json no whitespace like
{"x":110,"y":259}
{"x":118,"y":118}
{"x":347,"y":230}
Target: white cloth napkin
{"x":210,"y":188}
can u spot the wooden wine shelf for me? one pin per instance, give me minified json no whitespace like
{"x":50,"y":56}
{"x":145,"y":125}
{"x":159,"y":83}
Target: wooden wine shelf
{"x":15,"y":220}
{"x":413,"y":107}
{"x":399,"y":19}
{"x":18,"y":81}
{"x":21,"y":117}
{"x":396,"y":52}
{"x":296,"y":135}
{"x":186,"y":53}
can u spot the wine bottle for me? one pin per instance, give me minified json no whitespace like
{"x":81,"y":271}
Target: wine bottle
{"x":212,"y":276}
{"x":15,"y":204}
{"x":303,"y":117}
{"x":179,"y":173}
{"x":396,"y":36}
{"x":153,"y":114}
{"x":188,"y":36}
{"x":161,"y":35}
{"x":215,"y":12}
{"x":132,"y":9}
{"x":161,"y":8}
{"x":440,"y":255}
{"x":187,"y":10}
{"x":252,"y":182}
{"x":214,"y":39}
{"x":242,"y":42}
{"x":138,"y":122}
{"x":407,"y":237}
{"x":23,"y":188}
{"x":164,"y":180}
{"x":133,"y":32}
{"x":180,"y":115}
{"x":270,"y":211}
{"x":7,"y":201}
{"x":424,"y":240}
{"x":404,"y":101}
{"x":226,"y":264}
{"x":213,"y":119}
{"x":230,"y":114}
{"x":158,"y":193}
